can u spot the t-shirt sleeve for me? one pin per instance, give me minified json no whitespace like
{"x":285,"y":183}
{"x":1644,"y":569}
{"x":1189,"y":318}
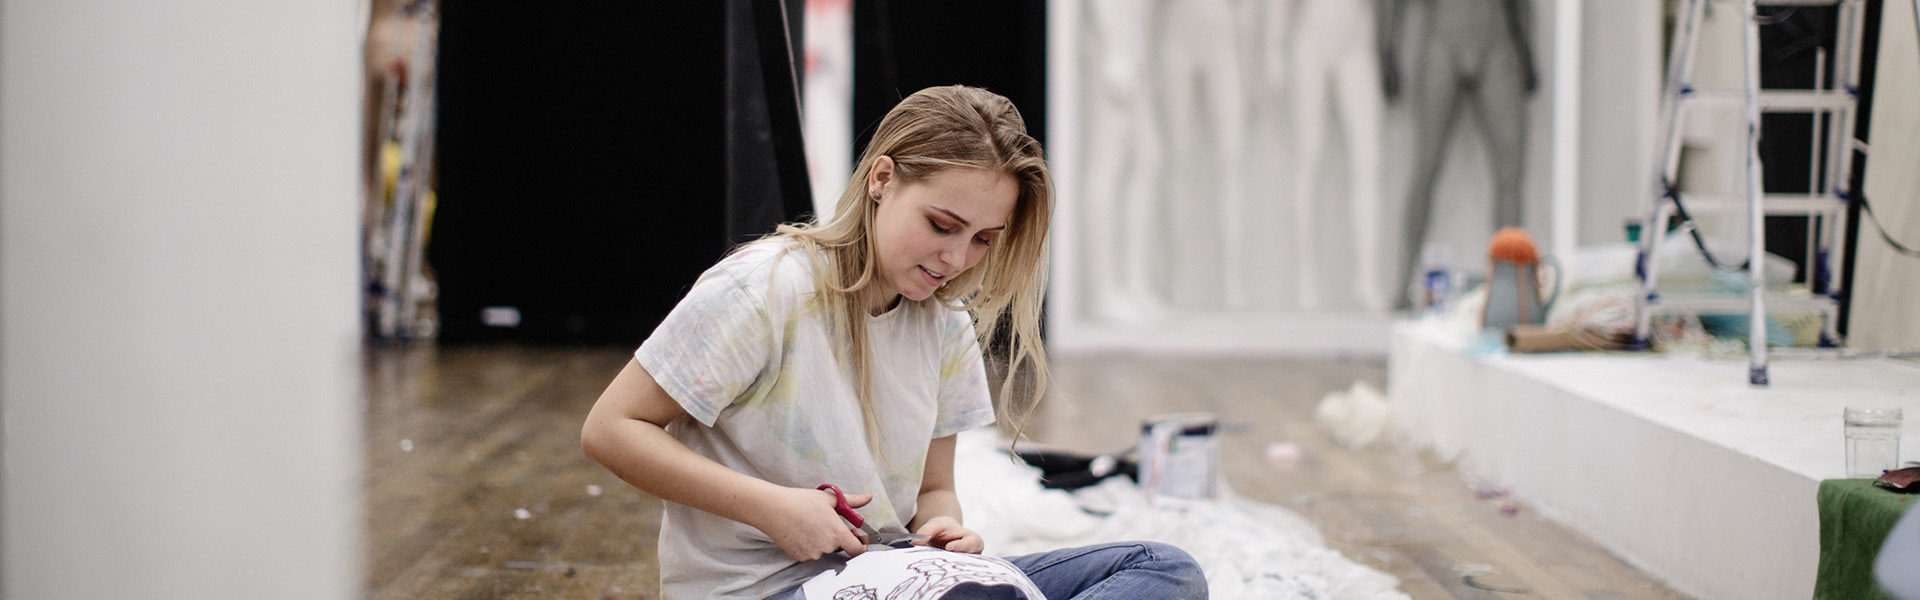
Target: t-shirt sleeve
{"x":964,"y":401}
{"x":714,"y":344}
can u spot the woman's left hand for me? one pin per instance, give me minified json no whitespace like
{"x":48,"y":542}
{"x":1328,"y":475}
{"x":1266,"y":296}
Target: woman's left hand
{"x":948,"y":534}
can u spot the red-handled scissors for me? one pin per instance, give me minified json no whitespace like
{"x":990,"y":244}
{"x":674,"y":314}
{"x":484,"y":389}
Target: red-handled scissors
{"x":871,"y":535}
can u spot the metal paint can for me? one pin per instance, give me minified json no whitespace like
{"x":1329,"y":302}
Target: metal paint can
{"x":1179,"y":456}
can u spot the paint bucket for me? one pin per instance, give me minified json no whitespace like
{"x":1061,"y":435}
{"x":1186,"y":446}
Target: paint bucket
{"x":1179,"y":456}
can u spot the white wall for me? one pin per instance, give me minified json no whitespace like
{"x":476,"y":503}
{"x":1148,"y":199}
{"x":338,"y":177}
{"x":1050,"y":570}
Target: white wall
{"x":1175,"y":220}
{"x":178,"y":330}
{"x":1620,"y":83}
{"x":1886,"y":286}
{"x":1099,"y":304}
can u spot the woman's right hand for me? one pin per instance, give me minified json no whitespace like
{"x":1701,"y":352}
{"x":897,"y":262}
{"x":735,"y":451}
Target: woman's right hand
{"x":803,"y":523}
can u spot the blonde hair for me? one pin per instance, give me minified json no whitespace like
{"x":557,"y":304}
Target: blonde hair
{"x":934,"y":130}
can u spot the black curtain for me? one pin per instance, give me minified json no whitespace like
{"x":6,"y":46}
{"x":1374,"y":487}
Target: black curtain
{"x":586,"y":176}
{"x":903,"y":47}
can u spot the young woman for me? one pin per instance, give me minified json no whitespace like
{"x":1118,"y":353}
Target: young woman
{"x":845,"y":352}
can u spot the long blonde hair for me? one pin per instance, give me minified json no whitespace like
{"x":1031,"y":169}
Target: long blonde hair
{"x":933,"y":130}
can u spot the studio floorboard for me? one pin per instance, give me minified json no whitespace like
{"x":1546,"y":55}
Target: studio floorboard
{"x":476,"y":487}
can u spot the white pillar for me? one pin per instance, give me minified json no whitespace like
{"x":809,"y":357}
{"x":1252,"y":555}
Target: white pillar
{"x":178,"y":324}
{"x":1565,"y":168}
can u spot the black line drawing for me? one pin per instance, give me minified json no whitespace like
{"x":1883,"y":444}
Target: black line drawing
{"x":928,"y":574}
{"x":942,"y":571}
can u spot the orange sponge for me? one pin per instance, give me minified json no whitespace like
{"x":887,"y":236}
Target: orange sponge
{"x":1512,"y":244}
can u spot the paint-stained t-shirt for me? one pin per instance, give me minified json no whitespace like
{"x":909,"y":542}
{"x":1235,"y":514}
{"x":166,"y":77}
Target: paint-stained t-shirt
{"x":753,"y":358}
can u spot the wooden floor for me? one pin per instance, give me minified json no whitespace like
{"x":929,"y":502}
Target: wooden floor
{"x":476,"y":488}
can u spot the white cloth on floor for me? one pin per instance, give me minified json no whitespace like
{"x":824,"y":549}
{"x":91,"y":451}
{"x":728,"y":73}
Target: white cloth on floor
{"x":1249,"y":550}
{"x":918,"y":573}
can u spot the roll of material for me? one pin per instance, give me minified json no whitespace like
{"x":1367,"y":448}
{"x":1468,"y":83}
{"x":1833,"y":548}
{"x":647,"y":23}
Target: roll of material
{"x":1536,"y":338}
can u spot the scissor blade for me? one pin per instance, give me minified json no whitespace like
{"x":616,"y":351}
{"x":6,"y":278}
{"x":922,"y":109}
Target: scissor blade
{"x":888,"y":539}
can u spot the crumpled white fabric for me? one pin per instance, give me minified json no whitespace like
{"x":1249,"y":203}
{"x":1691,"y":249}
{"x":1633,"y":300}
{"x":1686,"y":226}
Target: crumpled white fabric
{"x":1249,"y":550}
{"x":1356,"y":416}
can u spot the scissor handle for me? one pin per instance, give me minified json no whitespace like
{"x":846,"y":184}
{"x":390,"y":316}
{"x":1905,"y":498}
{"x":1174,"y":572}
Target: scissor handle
{"x":846,"y":512}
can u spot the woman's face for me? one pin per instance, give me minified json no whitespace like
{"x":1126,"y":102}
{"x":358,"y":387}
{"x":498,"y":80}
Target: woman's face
{"x":930,"y":231}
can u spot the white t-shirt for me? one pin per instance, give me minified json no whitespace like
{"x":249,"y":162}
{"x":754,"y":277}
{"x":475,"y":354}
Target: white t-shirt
{"x":751,"y":356}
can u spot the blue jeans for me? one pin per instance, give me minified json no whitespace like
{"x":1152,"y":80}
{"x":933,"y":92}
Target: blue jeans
{"x":1112,"y":571}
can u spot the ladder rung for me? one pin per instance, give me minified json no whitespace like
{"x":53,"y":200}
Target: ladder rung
{"x":1776,"y":204}
{"x":1724,"y":304}
{"x":1777,"y":100}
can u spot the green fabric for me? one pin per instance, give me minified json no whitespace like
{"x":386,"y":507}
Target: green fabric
{"x":1855,"y":516}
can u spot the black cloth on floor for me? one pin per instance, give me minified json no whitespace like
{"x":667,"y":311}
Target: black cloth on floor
{"x":1069,"y":471}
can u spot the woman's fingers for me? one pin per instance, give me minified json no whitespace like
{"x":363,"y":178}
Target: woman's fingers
{"x":947,"y":534}
{"x":851,"y":543}
{"x":805,"y":524}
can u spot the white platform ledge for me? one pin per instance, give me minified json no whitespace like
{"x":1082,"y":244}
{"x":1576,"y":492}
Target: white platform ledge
{"x":1675,"y":464}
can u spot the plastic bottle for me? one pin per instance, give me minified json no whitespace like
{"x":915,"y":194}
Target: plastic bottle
{"x":1433,"y":285}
